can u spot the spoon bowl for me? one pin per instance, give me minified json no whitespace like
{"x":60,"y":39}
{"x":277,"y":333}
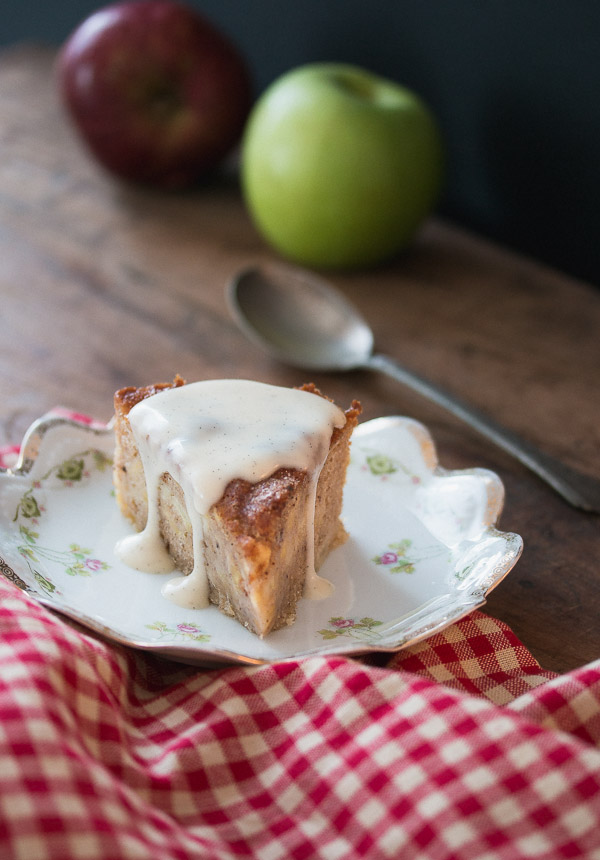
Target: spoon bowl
{"x":300,"y":320}
{"x":303,"y":321}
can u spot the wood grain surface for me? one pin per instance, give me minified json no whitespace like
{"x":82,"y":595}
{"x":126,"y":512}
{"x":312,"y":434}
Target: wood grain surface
{"x":103,"y":285}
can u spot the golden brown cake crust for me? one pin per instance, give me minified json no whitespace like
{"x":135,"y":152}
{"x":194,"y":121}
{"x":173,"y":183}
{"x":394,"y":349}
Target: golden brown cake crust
{"x":126,"y":398}
{"x":250,"y":509}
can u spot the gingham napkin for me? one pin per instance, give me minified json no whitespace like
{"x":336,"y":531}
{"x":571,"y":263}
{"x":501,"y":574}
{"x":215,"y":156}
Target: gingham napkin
{"x":462,"y":748}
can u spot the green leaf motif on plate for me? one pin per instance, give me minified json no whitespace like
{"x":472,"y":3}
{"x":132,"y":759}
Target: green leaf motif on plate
{"x":383,"y":466}
{"x":379,"y":464}
{"x":71,"y":470}
{"x":395,"y":558}
{"x":27,"y":507}
{"x":45,"y":583}
{"x":401,"y":556}
{"x":361,"y":629}
{"x":101,"y":461}
{"x":186,"y":631}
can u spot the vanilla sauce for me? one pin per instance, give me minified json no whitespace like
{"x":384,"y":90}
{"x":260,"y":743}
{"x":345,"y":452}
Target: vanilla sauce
{"x":206,"y":434}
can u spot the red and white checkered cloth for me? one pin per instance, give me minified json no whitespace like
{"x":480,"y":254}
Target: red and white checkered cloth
{"x":461,"y":747}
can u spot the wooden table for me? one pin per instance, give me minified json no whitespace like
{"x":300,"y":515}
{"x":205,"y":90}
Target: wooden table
{"x":104,"y":286}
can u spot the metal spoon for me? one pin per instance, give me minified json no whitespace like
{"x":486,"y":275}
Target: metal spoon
{"x":305,"y":322}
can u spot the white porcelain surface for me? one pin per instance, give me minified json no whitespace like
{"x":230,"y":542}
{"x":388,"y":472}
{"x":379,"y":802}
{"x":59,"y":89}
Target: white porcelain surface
{"x":423,"y":550}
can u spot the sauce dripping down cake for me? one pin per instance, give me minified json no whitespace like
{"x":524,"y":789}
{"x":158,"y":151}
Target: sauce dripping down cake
{"x":236,"y":484}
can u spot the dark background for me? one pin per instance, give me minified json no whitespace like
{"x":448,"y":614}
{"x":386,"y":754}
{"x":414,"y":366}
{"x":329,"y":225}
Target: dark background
{"x":515,"y":85}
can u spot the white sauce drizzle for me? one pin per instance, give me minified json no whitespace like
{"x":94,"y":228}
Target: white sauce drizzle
{"x":206,"y":434}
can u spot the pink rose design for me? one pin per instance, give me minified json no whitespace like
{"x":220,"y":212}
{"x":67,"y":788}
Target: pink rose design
{"x":93,"y":564}
{"x":187,"y":628}
{"x":389,"y":558}
{"x":343,"y":622}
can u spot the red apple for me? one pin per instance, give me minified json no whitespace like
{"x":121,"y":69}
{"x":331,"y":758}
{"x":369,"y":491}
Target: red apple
{"x":159,"y":95}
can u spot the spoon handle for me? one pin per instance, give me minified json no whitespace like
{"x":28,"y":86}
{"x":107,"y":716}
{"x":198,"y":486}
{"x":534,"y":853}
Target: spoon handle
{"x":581,"y":491}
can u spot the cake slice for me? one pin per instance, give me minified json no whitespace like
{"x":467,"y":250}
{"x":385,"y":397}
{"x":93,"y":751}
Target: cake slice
{"x":246,"y":540}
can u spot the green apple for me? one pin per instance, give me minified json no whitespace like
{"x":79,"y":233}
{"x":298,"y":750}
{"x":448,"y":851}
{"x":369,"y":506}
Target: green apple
{"x":339,"y":167}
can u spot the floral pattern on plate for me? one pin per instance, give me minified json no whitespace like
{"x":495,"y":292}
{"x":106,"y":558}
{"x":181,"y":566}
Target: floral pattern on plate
{"x":182,"y":630}
{"x":423,"y":549}
{"x":363,"y":629}
{"x":75,"y":560}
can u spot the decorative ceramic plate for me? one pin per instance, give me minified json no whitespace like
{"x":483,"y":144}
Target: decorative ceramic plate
{"x":423,"y":550}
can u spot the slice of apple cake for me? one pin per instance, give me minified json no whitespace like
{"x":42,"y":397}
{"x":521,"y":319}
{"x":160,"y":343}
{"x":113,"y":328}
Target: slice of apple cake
{"x":238,"y":485}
